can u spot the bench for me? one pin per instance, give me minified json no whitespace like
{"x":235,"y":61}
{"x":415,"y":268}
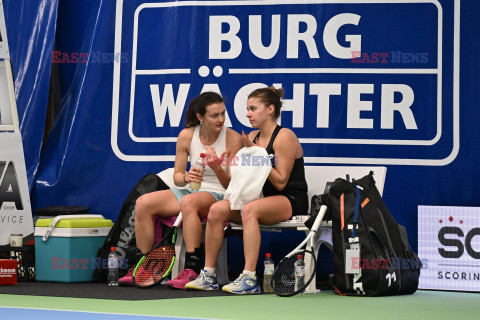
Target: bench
{"x":317,"y":177}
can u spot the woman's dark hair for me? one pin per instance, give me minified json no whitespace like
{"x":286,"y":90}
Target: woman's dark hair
{"x":269,"y":96}
{"x":199,"y":105}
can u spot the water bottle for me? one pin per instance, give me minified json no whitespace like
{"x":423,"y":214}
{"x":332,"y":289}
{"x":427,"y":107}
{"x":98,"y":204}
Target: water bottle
{"x":113,"y":267}
{"x":267,"y":273}
{"x":200,"y":163}
{"x":299,"y":273}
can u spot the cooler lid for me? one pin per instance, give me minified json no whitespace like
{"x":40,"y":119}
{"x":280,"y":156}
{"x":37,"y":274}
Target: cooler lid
{"x":76,"y":223}
{"x":72,"y":222}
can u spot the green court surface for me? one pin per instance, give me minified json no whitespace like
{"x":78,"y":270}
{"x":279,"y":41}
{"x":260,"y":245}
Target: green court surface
{"x":325,"y":305}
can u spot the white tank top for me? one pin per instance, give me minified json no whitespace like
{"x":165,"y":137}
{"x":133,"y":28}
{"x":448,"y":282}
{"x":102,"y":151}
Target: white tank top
{"x":210,"y":181}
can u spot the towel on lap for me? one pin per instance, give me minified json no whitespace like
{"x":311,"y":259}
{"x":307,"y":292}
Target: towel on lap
{"x":249,"y":171}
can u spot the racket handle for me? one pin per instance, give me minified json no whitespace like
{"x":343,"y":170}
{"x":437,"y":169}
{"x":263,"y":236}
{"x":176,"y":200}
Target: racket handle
{"x":319,"y":218}
{"x":179,"y":220}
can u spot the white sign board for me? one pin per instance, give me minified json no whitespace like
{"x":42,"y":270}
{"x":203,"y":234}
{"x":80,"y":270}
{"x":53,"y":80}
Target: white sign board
{"x":449,"y":247}
{"x":15,"y":209}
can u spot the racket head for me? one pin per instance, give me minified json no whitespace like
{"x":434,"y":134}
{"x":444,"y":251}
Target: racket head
{"x":154,"y":266}
{"x":283,"y":278}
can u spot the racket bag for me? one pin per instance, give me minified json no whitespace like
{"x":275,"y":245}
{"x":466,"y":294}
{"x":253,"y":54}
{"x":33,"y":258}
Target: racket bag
{"x":122,"y":234}
{"x":371,"y":252}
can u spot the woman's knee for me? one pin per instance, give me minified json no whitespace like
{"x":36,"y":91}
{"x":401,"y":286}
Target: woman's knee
{"x":217,"y":213}
{"x":249,"y":213}
{"x":142,"y":207}
{"x":187,"y":203}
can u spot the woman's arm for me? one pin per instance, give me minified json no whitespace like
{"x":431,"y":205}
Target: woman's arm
{"x":286,"y":146}
{"x":181,"y":157}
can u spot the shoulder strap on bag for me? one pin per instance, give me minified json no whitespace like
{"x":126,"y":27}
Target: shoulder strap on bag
{"x":357,"y":208}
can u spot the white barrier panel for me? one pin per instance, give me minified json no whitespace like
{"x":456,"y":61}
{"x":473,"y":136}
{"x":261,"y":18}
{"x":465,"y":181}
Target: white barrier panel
{"x":449,"y":247}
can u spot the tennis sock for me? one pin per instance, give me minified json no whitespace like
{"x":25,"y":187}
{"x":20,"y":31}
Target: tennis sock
{"x":193,"y":260}
{"x":210,"y":271}
{"x":251,"y":274}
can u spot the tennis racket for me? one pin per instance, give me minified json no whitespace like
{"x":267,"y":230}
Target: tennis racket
{"x":157,"y":264}
{"x":283,"y":280}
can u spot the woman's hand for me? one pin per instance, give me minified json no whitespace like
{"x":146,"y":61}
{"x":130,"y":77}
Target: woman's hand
{"x":213,"y":161}
{"x":247,"y":142}
{"x":194,"y":175}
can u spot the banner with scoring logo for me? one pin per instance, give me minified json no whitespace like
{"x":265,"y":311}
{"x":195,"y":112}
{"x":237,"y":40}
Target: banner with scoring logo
{"x":449,"y":246}
{"x":353,"y":94}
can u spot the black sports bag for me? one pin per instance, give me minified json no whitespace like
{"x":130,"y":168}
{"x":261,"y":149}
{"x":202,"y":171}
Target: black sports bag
{"x":122,"y":234}
{"x":371,"y":252}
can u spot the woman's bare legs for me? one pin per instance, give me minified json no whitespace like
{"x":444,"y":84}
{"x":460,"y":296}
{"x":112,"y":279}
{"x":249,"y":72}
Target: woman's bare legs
{"x":194,"y":207}
{"x":161,"y":203}
{"x":217,"y":216}
{"x":269,"y":210}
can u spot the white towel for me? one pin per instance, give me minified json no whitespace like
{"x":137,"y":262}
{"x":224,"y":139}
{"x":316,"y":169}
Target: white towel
{"x":250,"y":170}
{"x":167,"y":177}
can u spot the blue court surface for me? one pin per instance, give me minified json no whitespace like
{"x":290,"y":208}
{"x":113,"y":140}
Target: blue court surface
{"x":41,"y":314}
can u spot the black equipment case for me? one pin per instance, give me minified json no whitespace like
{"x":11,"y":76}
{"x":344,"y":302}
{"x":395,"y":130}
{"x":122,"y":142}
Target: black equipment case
{"x":371,"y":251}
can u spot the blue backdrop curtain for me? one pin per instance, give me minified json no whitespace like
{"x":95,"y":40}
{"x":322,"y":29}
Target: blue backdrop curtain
{"x":31,"y":36}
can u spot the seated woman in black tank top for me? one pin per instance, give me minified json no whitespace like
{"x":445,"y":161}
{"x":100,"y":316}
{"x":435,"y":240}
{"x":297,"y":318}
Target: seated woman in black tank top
{"x":296,"y":187}
{"x":285,"y":193}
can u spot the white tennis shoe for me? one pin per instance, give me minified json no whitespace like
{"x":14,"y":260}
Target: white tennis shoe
{"x":243,"y":285}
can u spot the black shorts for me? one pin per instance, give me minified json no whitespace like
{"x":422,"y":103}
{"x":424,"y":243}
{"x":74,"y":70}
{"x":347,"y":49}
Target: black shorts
{"x":299,"y":203}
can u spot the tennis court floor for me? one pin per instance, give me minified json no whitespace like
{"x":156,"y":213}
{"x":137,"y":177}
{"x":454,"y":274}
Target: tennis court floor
{"x":325,"y":305}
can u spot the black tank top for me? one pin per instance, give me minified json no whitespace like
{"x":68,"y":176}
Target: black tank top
{"x":296,"y":185}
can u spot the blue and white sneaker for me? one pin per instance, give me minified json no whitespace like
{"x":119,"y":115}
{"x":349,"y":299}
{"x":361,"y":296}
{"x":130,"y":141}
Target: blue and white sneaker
{"x":205,"y":281}
{"x":243,"y":285}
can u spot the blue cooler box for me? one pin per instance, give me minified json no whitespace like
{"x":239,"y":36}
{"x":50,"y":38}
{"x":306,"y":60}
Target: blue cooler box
{"x":66,"y":247}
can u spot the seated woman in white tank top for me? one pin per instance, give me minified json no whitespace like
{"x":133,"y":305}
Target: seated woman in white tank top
{"x":204,"y":133}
